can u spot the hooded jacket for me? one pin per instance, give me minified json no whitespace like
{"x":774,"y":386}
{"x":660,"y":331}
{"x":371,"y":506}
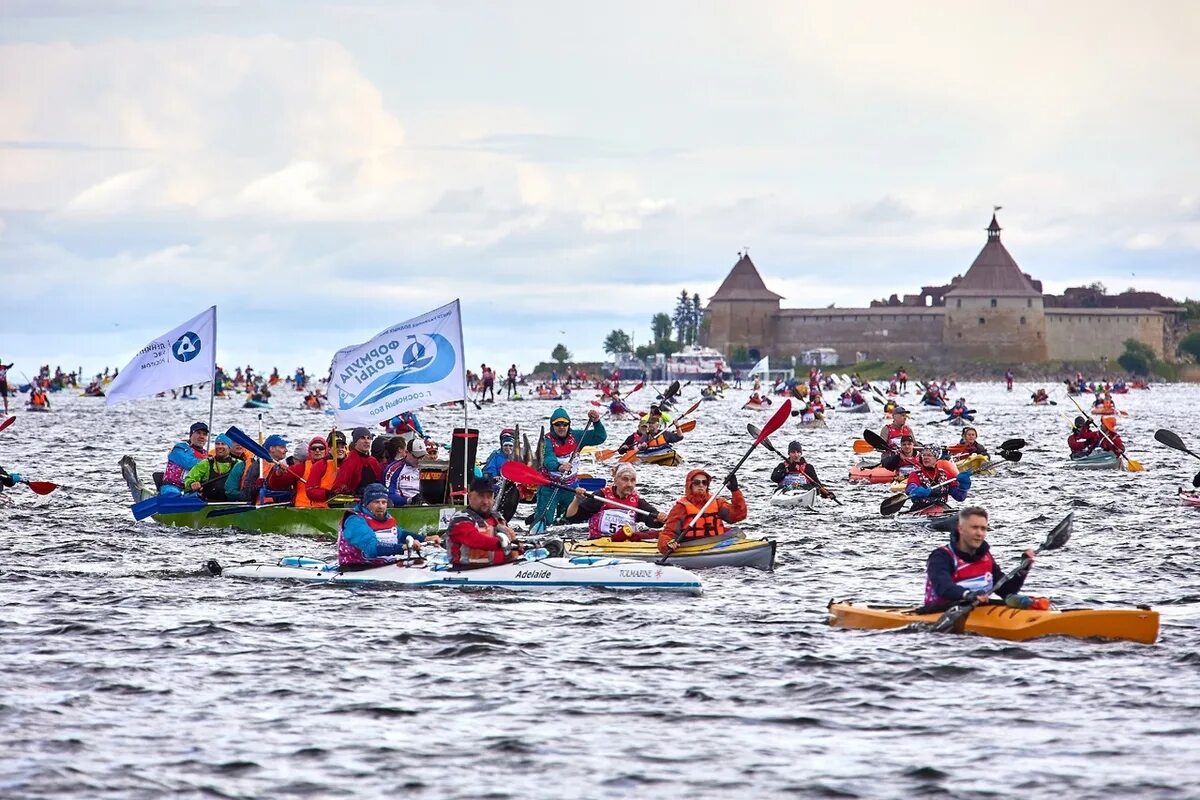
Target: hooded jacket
{"x":720,"y":514}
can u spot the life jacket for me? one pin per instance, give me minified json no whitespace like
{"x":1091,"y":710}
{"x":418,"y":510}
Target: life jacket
{"x":385,"y":533}
{"x":939,"y":494}
{"x":407,"y":479}
{"x":173,"y":473}
{"x":460,"y":553}
{"x":892,"y":434}
{"x":563,"y":451}
{"x":975,"y":576}
{"x":610,"y":520}
{"x":710,"y":524}
{"x":795,"y":475}
{"x":302,"y":500}
{"x":214,"y":490}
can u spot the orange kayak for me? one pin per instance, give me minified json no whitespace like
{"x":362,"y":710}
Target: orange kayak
{"x":1015,"y":624}
{"x":872,"y":475}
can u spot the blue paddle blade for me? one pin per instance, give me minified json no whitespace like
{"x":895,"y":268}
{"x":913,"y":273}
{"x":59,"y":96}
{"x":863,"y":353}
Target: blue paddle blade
{"x":591,"y":484}
{"x":239,"y":437}
{"x":166,"y":504}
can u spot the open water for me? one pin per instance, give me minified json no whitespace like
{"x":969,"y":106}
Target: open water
{"x":128,"y":672}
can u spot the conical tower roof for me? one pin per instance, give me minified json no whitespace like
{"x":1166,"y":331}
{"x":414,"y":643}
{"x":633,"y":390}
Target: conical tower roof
{"x":995,"y":273}
{"x":744,"y":283}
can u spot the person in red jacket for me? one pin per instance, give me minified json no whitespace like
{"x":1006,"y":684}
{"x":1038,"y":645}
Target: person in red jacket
{"x":477,"y":537}
{"x":716,"y":518}
{"x":360,"y":467}
{"x":1083,"y":440}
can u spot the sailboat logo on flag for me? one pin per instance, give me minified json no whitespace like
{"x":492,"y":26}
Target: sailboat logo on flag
{"x":426,"y":359}
{"x":186,"y":347}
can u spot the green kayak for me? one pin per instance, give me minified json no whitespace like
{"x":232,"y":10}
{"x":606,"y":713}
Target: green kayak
{"x":1098,"y":459}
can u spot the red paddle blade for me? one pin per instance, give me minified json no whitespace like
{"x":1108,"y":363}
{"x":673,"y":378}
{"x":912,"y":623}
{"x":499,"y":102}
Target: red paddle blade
{"x":42,"y":487}
{"x":775,"y":422}
{"x":7,"y":422}
{"x":517,"y":472}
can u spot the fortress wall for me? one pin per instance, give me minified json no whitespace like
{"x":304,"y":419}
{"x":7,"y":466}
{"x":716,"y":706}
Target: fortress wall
{"x":1087,"y":334}
{"x":997,"y":328}
{"x":883,"y":334}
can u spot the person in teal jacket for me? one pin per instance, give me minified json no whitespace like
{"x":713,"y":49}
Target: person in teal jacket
{"x":560,"y":462}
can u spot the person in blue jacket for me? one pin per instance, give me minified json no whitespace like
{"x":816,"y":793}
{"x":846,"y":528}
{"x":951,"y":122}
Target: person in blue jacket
{"x":501,"y":455}
{"x":184,"y":456}
{"x":368,"y":534}
{"x":8,"y":479}
{"x":560,"y":462}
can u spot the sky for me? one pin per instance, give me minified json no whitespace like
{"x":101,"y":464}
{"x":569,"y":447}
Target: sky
{"x":322,"y":170}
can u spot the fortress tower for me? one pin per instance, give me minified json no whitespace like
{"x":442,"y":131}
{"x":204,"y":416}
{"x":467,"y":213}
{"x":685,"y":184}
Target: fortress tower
{"x":742,"y":312}
{"x":994,"y":312}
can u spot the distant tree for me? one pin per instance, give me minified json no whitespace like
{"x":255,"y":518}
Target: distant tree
{"x":1190,"y":344}
{"x":618,"y":341}
{"x":1098,"y":287}
{"x":660,"y":325}
{"x":682,"y":318}
{"x":697,"y":315}
{"x":560,"y":354}
{"x":1137,"y":359}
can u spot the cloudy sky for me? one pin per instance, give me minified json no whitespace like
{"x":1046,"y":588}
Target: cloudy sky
{"x":321,"y":170}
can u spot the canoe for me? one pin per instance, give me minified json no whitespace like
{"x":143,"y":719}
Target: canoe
{"x":861,"y":408}
{"x":1001,"y":622}
{"x":794,"y":497}
{"x":663,"y":456}
{"x":872,"y":475}
{"x":1099,"y":459}
{"x":728,"y":551}
{"x":534,"y":573}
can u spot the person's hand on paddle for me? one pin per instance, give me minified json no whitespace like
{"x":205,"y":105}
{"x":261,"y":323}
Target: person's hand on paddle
{"x":975,"y":598}
{"x":732,"y":482}
{"x":964,"y":479}
{"x":580,"y":492}
{"x":564,"y":466}
{"x":672,"y":546}
{"x":1031,"y":555}
{"x":661,"y":517}
{"x":196,"y":486}
{"x":594,"y":415}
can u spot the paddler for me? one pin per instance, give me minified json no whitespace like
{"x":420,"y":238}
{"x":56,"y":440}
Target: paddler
{"x":184,"y":456}
{"x":368,"y":534}
{"x":270,"y":473}
{"x":897,"y":428}
{"x":607,"y":520}
{"x":657,"y":438}
{"x":477,"y":537}
{"x":207,"y":478}
{"x":795,"y":471}
{"x":1040,"y":396}
{"x":617,"y":406}
{"x":324,"y":471}
{"x":923,"y":482}
{"x":716,"y":518}
{"x":1082,"y":439}
{"x":968,"y":444}
{"x":656,"y":412}
{"x":560,"y":461}
{"x":635,"y":438}
{"x":904,"y":460}
{"x":305,"y":468}
{"x":402,"y":476}
{"x":964,"y":570}
{"x":959,"y":410}
{"x":501,"y":455}
{"x":359,"y":468}
{"x":8,"y":479}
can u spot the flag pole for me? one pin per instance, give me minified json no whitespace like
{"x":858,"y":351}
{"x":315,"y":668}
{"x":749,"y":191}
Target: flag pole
{"x":212,"y":376}
{"x":467,"y":476}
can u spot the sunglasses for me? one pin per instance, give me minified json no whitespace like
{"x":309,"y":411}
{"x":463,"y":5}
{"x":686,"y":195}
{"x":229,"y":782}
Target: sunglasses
{"x":317,"y":447}
{"x":699,"y":483}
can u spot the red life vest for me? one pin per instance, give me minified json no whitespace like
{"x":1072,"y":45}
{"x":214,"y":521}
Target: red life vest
{"x":385,"y":533}
{"x":929,"y":480}
{"x":796,"y":473}
{"x":973,"y":575}
{"x":892,"y":434}
{"x":563,"y":451}
{"x":610,"y":520}
{"x":461,"y":553}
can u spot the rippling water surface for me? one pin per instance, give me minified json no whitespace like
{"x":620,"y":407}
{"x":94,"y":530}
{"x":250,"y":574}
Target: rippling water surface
{"x":128,"y":672}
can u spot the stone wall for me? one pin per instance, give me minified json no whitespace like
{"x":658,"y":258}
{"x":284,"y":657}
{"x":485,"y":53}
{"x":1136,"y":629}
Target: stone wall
{"x":1093,"y":333}
{"x":882,"y":333}
{"x":1011,"y":329}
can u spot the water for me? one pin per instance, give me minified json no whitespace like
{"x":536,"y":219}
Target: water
{"x":128,"y":672}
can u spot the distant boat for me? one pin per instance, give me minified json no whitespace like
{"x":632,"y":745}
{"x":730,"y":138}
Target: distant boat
{"x":695,"y":362}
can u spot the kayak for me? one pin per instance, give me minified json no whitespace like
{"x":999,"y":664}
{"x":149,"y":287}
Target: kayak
{"x":1098,"y":459}
{"x":1190,"y":499}
{"x":938,"y":517}
{"x":537,"y":573}
{"x":794,"y":497}
{"x":861,"y":408}
{"x":728,"y":551}
{"x":756,"y":406}
{"x":36,"y":409}
{"x":872,"y":474}
{"x":819,"y":422}
{"x":663,"y":456}
{"x":1015,"y":624}
{"x":958,"y":422}
{"x":256,"y":404}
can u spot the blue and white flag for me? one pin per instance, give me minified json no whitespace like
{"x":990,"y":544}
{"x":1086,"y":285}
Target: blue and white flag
{"x":410,"y":365}
{"x":187,"y":354}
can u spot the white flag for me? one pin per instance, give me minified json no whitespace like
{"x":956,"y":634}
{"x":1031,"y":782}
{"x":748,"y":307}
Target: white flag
{"x":762,"y":366}
{"x":413,"y":364}
{"x":187,"y":354}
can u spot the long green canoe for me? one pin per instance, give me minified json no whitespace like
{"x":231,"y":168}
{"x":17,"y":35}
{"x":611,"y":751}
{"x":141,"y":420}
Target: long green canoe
{"x":318,"y":523}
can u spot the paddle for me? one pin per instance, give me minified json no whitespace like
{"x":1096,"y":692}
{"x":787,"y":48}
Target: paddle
{"x":876,"y":441}
{"x":753,"y":430}
{"x":166,"y":504}
{"x":1172,"y":440}
{"x":863,"y":446}
{"x":517,"y":472}
{"x":539,"y":526}
{"x":1130,"y":464}
{"x":955,"y":616}
{"x":7,"y":422}
{"x":893,"y":504}
{"x":40,"y":487}
{"x":239,"y":437}
{"x":773,"y":424}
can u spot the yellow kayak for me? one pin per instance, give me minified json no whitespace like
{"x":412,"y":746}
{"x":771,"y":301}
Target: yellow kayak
{"x":728,"y":551}
{"x":1015,"y":624}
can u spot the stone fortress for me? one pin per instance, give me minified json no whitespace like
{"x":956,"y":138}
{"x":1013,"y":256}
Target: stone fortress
{"x":994,"y":313}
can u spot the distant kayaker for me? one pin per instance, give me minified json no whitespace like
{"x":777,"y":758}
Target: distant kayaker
{"x":617,"y":406}
{"x":959,"y":410}
{"x":359,"y":468}
{"x":968,"y":444}
{"x":1040,"y":396}
{"x":964,"y":569}
{"x":1084,"y":439}
{"x":560,"y":461}
{"x":607,"y":520}
{"x":905,"y":459}
{"x":898,"y":427}
{"x":184,"y":456}
{"x":406,"y":425}
{"x":657,"y":438}
{"x":207,"y":478}
{"x":368,"y":535}
{"x":923,"y":482}
{"x":656,"y":412}
{"x":1008,"y":378}
{"x":477,"y":537}
{"x":4,"y":368}
{"x":510,"y":382}
{"x":795,"y":471}
{"x":719,"y":514}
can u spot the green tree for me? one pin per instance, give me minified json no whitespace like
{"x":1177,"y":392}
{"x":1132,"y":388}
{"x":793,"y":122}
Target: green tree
{"x":560,"y":354}
{"x":697,"y":315}
{"x":682,"y":318}
{"x":660,"y":325}
{"x":618,"y":341}
{"x":1137,"y":359}
{"x":1190,"y":344}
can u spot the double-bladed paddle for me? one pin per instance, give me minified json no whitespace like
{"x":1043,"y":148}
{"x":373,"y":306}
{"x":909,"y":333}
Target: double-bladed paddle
{"x":166,"y":504}
{"x":968,"y":415}
{"x":1131,"y":465}
{"x":893,"y":504}
{"x":753,"y":430}
{"x":517,"y":472}
{"x":956,"y":616}
{"x":1172,"y":440}
{"x":773,"y":424}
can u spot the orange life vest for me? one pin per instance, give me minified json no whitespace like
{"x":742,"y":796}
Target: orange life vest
{"x":710,"y":524}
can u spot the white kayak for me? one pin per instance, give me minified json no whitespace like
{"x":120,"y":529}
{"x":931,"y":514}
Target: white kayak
{"x":537,"y":573}
{"x":794,"y":497}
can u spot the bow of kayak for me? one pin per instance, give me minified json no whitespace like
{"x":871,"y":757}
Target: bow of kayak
{"x":728,"y":551}
{"x":1014,"y":624}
